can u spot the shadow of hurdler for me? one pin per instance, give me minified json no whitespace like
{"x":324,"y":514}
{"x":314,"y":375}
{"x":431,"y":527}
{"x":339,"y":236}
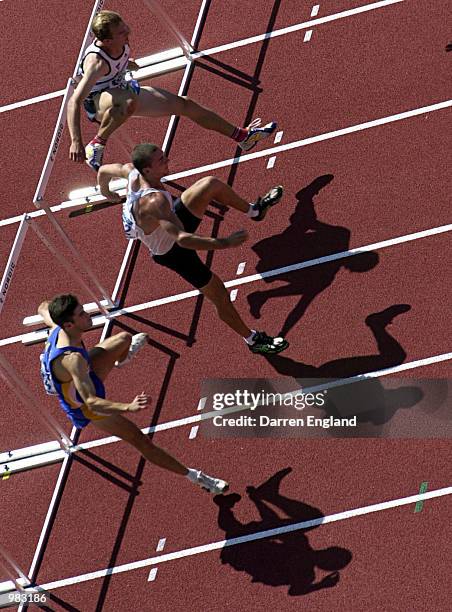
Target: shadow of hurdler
{"x":285,"y":558}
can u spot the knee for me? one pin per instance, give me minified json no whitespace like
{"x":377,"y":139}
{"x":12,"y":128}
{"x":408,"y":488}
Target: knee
{"x":187,"y":106}
{"x":124,"y":339}
{"x":117,"y":112}
{"x":130,"y":107}
{"x":209,"y":185}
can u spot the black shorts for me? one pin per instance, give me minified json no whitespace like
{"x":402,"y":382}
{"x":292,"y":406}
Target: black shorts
{"x":186,"y":262}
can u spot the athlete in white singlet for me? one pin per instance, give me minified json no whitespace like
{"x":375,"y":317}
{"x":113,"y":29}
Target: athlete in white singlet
{"x":167,"y":227}
{"x":110,"y":99}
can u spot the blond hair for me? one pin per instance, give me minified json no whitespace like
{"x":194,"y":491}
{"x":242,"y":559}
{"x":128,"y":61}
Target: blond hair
{"x":102,"y":23}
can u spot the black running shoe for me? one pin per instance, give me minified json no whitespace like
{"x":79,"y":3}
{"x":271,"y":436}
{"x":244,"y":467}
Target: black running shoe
{"x":271,"y":198}
{"x":266,"y":345}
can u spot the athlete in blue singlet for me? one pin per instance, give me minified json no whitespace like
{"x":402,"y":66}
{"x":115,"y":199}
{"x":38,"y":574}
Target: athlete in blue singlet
{"x":77,"y":377}
{"x":109,"y":97}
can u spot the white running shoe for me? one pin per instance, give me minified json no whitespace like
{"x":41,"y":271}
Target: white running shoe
{"x":216,"y":486}
{"x":256,"y":134}
{"x":138,"y":341}
{"x":94,"y":152}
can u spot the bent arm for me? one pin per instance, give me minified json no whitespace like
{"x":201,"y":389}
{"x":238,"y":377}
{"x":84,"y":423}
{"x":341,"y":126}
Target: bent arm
{"x":77,"y":367}
{"x":193,"y":241}
{"x":108,"y":172}
{"x":95,"y":69}
{"x":43,"y":310}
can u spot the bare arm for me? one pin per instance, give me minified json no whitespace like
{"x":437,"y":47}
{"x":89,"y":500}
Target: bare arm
{"x":106,"y":173}
{"x":43,"y":310}
{"x":77,"y":367}
{"x":94,"y":68}
{"x":156,"y":206}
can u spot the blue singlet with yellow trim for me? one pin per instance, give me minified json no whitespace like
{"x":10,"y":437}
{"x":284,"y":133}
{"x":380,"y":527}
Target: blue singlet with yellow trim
{"x":69,"y":399}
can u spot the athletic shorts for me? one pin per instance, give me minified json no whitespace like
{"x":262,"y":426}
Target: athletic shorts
{"x":186,"y":262}
{"x":89,"y":103}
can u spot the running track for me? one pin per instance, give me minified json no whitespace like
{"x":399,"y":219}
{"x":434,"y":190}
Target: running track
{"x":384,"y":182}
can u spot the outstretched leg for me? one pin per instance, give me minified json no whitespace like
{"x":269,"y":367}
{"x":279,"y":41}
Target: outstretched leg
{"x":118,"y":425}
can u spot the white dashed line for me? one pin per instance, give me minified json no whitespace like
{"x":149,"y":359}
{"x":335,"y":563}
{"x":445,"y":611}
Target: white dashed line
{"x":258,"y":535}
{"x":234,"y":295}
{"x":153,"y":573}
{"x":315,"y":10}
{"x":161,"y":544}
{"x":271,"y":162}
{"x":193,"y":432}
{"x":307,"y":36}
{"x":278,"y":136}
{"x":241,"y":268}
{"x":202,"y":403}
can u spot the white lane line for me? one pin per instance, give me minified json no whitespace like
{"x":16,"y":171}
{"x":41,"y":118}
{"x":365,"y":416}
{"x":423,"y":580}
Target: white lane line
{"x":234,"y":295}
{"x":278,"y":136}
{"x":307,"y":36}
{"x":193,"y":432}
{"x":313,"y":139}
{"x":239,"y":43}
{"x":271,"y":162}
{"x":55,"y":456}
{"x":100,"y":319}
{"x":258,"y":535}
{"x":315,"y":10}
{"x":257,"y":154}
{"x":241,"y":268}
{"x":35,"y":100}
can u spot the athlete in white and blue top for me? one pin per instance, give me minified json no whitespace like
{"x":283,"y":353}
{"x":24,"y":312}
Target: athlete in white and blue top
{"x":168,"y":227}
{"x":77,"y":377}
{"x":111,"y":98}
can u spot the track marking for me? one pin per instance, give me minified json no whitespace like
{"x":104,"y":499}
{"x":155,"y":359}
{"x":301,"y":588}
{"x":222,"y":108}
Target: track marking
{"x":278,"y":136}
{"x":257,"y":154}
{"x":193,"y":432}
{"x":307,"y":36}
{"x":313,"y":139}
{"x":201,"y":403}
{"x":234,"y":45}
{"x":420,"y":504}
{"x":241,"y":268}
{"x":315,"y":10}
{"x":258,"y":535}
{"x":100,"y":319}
{"x":234,"y":295}
{"x":271,"y":162}
{"x":58,"y":455}
{"x":152,"y":574}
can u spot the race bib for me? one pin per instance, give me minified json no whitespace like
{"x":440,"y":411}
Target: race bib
{"x":46,"y":377}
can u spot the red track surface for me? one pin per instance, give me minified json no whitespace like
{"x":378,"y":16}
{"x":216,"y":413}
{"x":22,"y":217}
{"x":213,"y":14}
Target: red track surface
{"x":387,"y":182}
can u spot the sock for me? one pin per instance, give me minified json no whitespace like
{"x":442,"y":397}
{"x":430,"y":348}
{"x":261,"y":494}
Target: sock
{"x":99,"y":140}
{"x":250,"y":339}
{"x":239,"y":134}
{"x":193,"y":475}
{"x":252,"y":212}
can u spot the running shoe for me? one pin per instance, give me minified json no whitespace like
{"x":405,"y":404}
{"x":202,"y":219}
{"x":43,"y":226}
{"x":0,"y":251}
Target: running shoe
{"x":256,"y":133}
{"x":216,"y":486}
{"x":266,"y":345}
{"x":264,"y":203}
{"x":94,"y":153}
{"x":138,"y":341}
